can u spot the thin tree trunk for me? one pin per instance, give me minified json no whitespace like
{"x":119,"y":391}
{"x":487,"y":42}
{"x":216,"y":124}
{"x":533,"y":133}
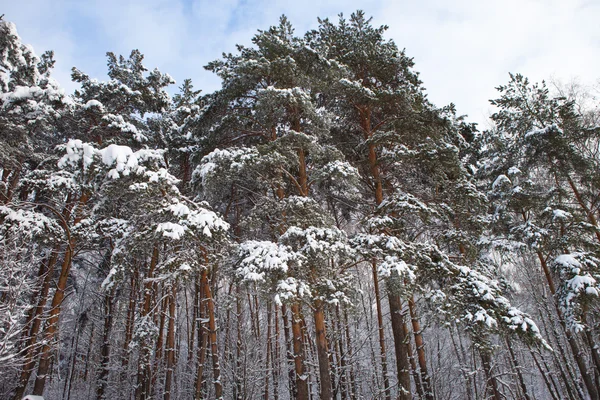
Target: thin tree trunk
{"x":162,"y":316}
{"x":289,"y":351}
{"x":130,"y":319}
{"x":517,"y":369}
{"x":414,"y":368}
{"x":202,"y":341}
{"x":275,"y":364}
{"x":35,"y":324}
{"x":143,"y":378}
{"x":105,"y":347}
{"x":492,"y":382}
{"x":382,"y":352}
{"x":550,"y":385}
{"x":420,"y":345}
{"x":212,"y":334}
{"x":462,"y":357}
{"x":401,"y":347}
{"x":338,"y":346}
{"x":52,"y":324}
{"x":298,"y":344}
{"x":268,"y":358}
{"x":170,"y":345}
{"x":353,"y":388}
{"x":583,"y":369}
{"x":322,"y":352}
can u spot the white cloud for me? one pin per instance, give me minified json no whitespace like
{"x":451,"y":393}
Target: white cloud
{"x":463,"y":48}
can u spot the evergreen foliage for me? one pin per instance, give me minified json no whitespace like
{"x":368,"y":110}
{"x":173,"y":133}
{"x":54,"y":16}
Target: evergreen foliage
{"x":231,"y":245}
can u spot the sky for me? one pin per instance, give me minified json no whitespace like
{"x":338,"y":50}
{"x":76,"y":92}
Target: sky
{"x":463,"y":49}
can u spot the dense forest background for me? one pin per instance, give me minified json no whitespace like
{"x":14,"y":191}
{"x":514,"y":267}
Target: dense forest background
{"x":314,"y":229}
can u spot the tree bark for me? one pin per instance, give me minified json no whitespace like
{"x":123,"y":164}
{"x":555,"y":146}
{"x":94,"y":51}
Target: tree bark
{"x":401,"y":347}
{"x":143,"y":378}
{"x":322,"y":352}
{"x":202,"y":342}
{"x":35,"y":322}
{"x":517,"y":369}
{"x":380,"y":329}
{"x":212,"y":335}
{"x":170,"y":345}
{"x":420,"y":345}
{"x":289,"y":350}
{"x":52,"y":324}
{"x":492,"y":382}
{"x":105,"y":347}
{"x":298,"y":344}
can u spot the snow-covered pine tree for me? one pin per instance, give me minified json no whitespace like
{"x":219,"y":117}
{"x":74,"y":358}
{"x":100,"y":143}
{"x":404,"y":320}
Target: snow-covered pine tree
{"x":539,"y":162}
{"x":410,"y":155}
{"x":268,"y":89}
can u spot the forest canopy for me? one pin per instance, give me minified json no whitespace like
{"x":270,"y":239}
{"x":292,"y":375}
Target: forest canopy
{"x":316,"y":228}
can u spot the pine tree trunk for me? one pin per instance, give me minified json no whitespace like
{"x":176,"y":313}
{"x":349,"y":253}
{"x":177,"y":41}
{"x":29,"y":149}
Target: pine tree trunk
{"x":32,"y":350}
{"x":517,"y":369}
{"x":15,"y":174}
{"x":298,"y":344}
{"x":322,"y":352}
{"x":420,"y":345}
{"x":276,"y":362}
{"x":202,"y":341}
{"x":143,"y":378}
{"x":380,"y":329}
{"x":268,"y":358}
{"x":212,"y":334}
{"x":354,"y":391}
{"x":401,"y":347}
{"x":414,"y":369}
{"x":289,"y":351}
{"x":52,"y":324}
{"x":170,"y":345}
{"x":583,"y":369}
{"x":35,"y":322}
{"x":239,"y":382}
{"x":492,"y":382}
{"x":105,"y":347}
{"x":129,"y":319}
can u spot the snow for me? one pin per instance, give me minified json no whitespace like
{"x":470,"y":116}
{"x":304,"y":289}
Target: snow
{"x":171,"y":230}
{"x":393,"y":264}
{"x":561,"y":215}
{"x":514,"y":171}
{"x":568,"y":261}
{"x":123,"y":160}
{"x":500,"y":180}
{"x":20,"y":93}
{"x":339,"y":169}
{"x":543,"y":131}
{"x":28,"y":222}
{"x":118,"y":122}
{"x":262,"y":257}
{"x":575,"y":269}
{"x":93,"y":104}
{"x":233,"y":159}
{"x":357,"y":85}
{"x":199,"y":219}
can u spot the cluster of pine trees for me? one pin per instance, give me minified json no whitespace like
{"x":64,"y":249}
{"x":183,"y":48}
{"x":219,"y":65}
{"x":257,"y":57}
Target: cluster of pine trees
{"x":314,"y":229}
